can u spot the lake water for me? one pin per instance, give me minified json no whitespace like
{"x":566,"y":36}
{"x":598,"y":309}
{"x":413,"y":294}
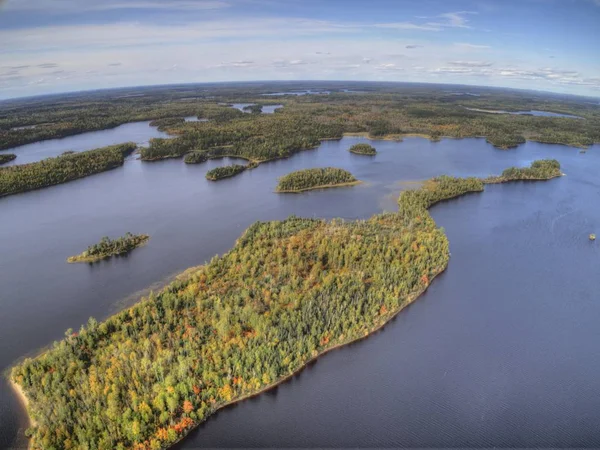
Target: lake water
{"x":500,"y":351}
{"x":532,"y":112}
{"x":138,"y":132}
{"x":297,"y":93}
{"x":266,"y":109}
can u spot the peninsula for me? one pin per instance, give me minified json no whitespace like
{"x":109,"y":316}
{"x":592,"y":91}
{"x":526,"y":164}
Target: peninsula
{"x":7,"y":157}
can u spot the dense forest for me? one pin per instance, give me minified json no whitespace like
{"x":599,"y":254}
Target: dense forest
{"x":413,"y":202}
{"x":543,"y":169}
{"x":303,"y":180}
{"x":64,"y":168}
{"x":224,"y":172}
{"x":257,"y":138}
{"x":380,"y":110}
{"x":363,"y":149}
{"x":167,"y":122}
{"x":110,"y":247}
{"x":6,"y":157}
{"x":195,"y":157}
{"x":287,"y":292}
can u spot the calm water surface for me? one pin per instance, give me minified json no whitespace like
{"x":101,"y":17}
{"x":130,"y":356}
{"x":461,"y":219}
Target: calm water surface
{"x":138,"y":132}
{"x":532,"y":112}
{"x":266,"y":109}
{"x":500,"y":351}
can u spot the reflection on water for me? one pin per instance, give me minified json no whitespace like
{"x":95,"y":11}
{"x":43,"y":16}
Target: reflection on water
{"x":499,"y":351}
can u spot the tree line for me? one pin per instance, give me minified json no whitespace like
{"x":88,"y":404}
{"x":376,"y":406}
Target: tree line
{"x":288,"y":291}
{"x":7,"y":157}
{"x":302,"y":180}
{"x":110,"y":247}
{"x":61,"y":169}
{"x":363,"y":149}
{"x":224,"y":172}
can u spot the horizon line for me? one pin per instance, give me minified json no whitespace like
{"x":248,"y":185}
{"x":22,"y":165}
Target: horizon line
{"x":197,"y":83}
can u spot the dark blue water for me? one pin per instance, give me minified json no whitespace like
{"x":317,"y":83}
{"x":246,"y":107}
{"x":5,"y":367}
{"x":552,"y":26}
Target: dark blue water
{"x":500,"y":351}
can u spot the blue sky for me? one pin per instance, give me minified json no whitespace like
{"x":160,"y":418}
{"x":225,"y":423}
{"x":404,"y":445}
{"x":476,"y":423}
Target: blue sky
{"x":49,"y":46}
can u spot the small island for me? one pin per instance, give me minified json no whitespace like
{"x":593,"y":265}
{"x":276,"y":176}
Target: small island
{"x":110,"y":247}
{"x":363,"y":149}
{"x":219,"y":173}
{"x":7,"y":158}
{"x":304,"y":180}
{"x":542,"y":169}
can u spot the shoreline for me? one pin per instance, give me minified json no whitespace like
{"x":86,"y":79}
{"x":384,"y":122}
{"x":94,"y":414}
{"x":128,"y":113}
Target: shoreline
{"x":369,"y":329}
{"x":399,"y":138}
{"x":410,"y":299}
{"x":24,"y":402}
{"x":91,"y":259}
{"x":499,"y":180}
{"x":322,"y":186}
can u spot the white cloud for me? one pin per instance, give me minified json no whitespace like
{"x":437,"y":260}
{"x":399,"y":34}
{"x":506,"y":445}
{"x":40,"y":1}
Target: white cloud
{"x":239,"y":49}
{"x":467,"y":46}
{"x":236,"y":64}
{"x":442,"y":21}
{"x":409,"y":26}
{"x":470,"y":63}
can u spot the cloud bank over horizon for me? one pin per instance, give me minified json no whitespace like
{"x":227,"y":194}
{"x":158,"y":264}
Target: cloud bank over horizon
{"x":49,"y":46}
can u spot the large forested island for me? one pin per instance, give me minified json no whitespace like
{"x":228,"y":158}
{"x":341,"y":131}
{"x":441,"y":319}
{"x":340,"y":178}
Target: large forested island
{"x":64,"y":168}
{"x":319,"y":178}
{"x":108,"y":247}
{"x":287,"y":292}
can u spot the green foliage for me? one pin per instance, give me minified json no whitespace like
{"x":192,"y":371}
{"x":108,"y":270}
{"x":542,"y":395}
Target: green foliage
{"x":386,"y":109}
{"x":167,"y":122}
{"x":363,"y":149}
{"x":284,"y":294}
{"x":224,"y":172}
{"x":110,"y":247}
{"x":7,"y":157}
{"x":287,"y":292}
{"x":195,"y":157}
{"x":302,"y":180}
{"x":415,"y":202}
{"x":542,"y":169}
{"x":254,"y":109}
{"x":161,"y":148}
{"x":64,"y":168}
{"x":505,"y":141}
